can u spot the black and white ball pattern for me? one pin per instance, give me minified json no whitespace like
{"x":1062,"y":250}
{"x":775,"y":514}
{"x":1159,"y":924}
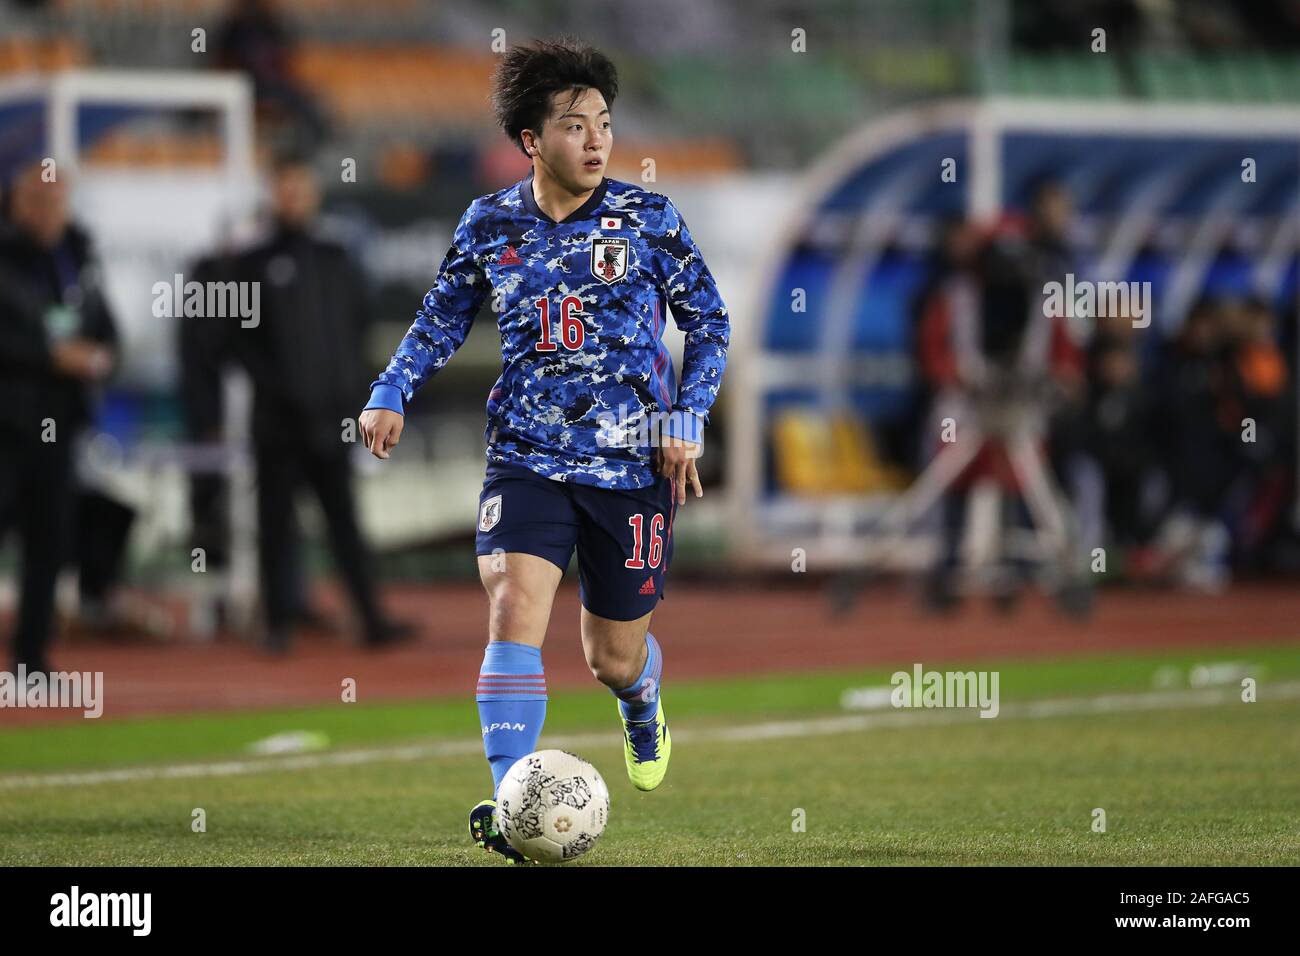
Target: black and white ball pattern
{"x":552,"y":806}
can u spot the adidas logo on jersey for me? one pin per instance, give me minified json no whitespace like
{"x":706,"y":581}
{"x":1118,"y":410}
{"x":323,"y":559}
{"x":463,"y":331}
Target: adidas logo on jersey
{"x":509,"y":257}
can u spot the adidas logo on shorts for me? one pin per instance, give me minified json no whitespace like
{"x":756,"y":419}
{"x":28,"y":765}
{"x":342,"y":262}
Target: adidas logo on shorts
{"x":649,"y":586}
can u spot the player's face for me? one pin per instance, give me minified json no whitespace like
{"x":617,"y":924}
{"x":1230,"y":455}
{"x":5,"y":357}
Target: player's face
{"x":576,"y":140}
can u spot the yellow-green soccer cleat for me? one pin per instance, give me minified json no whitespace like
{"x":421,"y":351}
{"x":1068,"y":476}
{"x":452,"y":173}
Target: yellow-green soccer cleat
{"x":483,"y":831}
{"x":646,"y":748}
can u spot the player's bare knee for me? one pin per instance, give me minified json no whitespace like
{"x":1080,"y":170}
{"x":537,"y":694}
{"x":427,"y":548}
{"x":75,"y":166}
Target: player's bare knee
{"x":509,"y":601}
{"x":612,"y":665}
{"x":613,"y":672}
{"x":508,"y":591}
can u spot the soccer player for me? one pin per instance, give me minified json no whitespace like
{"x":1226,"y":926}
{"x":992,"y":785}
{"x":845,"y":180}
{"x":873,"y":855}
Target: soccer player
{"x":591,"y":437}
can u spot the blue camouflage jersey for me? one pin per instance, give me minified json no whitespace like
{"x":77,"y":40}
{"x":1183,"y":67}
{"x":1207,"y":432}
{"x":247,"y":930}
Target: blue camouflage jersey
{"x":581,"y":306}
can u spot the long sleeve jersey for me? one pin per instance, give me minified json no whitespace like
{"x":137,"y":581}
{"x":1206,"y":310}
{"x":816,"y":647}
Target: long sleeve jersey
{"x":581,"y":306}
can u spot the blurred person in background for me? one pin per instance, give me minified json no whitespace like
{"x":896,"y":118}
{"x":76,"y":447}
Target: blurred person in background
{"x":1198,"y":449}
{"x":1051,"y":214}
{"x":57,"y":343}
{"x":306,"y":360}
{"x":253,"y":39}
{"x":1256,"y":404}
{"x":990,"y":355}
{"x":1072,"y":423}
{"x":951,"y":261}
{"x":206,"y":348}
{"x":1114,"y":426}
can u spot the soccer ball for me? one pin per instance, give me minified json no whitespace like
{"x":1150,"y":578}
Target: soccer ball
{"x":552,"y":805}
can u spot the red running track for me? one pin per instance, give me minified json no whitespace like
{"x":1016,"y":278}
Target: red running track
{"x":706,"y":631}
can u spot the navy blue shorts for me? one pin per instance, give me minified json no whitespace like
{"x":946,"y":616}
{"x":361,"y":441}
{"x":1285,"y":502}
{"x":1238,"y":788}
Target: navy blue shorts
{"x":624,"y":538}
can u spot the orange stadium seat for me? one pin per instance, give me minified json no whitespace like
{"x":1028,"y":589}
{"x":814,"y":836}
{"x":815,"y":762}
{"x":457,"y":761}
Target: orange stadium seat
{"x":126,"y":148}
{"x":367,"y":82}
{"x":39,"y":55}
{"x":696,"y":157}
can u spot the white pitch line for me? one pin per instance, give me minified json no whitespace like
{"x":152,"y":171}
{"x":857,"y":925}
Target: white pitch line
{"x":770,"y":730}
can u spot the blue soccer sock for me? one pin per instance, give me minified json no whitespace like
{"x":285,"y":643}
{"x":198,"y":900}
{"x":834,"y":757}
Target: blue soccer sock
{"x":640,"y":700}
{"x":511,"y":704}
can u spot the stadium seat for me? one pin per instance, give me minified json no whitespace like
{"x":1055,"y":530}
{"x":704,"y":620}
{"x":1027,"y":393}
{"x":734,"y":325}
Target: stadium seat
{"x":819,"y":454}
{"x":40,"y":55}
{"x":1073,"y":75}
{"x":366,"y":83}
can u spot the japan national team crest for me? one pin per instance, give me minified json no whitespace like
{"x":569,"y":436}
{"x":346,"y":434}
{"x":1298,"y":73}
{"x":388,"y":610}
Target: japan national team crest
{"x":490,"y":513}
{"x":609,"y":258}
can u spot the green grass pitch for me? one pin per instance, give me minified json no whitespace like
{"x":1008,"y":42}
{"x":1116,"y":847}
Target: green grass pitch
{"x":1192,"y":783}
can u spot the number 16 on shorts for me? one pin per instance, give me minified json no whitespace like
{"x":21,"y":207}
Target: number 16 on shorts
{"x":639,"y":559}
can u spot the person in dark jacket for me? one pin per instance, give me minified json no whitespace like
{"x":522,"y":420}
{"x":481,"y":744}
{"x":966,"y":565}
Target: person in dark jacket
{"x":57,"y":343}
{"x":255,"y":39}
{"x":1198,"y":443}
{"x":1114,"y":429}
{"x":305,"y":354}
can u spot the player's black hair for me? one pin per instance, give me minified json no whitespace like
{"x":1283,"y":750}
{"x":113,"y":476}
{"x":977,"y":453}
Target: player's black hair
{"x":529,"y":76}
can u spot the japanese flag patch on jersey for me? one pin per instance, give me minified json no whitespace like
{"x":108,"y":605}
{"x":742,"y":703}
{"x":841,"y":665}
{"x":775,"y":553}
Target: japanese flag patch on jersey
{"x":611,"y":222}
{"x":609,"y":258}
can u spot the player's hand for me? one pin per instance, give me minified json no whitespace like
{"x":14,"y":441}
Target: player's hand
{"x":677,"y":461}
{"x":381,"y":430}
{"x":83,"y":359}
